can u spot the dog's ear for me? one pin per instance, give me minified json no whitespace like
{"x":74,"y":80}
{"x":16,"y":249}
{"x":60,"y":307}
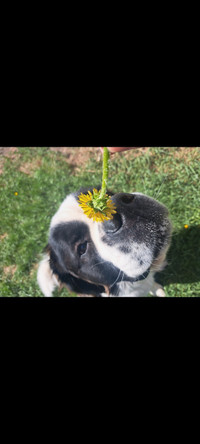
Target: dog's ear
{"x":46,"y":279}
{"x":50,"y":275}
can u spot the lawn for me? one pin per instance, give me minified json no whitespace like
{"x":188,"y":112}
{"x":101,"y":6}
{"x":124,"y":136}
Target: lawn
{"x":34,"y":181}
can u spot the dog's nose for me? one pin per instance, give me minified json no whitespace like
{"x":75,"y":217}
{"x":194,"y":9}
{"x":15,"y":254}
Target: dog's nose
{"x":120,"y":200}
{"x":113,"y":225}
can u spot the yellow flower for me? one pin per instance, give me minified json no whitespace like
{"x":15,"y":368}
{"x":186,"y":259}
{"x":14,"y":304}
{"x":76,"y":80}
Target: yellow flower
{"x":186,"y":226}
{"x":96,"y":208}
{"x":16,"y":193}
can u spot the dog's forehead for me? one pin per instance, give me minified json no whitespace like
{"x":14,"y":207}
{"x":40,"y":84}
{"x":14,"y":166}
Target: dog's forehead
{"x":70,"y":211}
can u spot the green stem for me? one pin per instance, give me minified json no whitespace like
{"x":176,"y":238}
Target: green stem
{"x":106,"y":156}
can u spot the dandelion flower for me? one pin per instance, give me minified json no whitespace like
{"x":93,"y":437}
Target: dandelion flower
{"x":95,"y":207}
{"x":98,"y":205}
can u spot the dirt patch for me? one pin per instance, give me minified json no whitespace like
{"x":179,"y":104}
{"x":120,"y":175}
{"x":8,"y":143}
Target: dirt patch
{"x":11,"y":269}
{"x":136,"y":152}
{"x":30,"y":167}
{"x":2,"y":236}
{"x":185,"y":153}
{"x":11,"y":152}
{"x":77,"y":156}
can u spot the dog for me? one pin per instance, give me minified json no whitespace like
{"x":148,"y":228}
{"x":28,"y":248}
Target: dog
{"x":117,"y":257}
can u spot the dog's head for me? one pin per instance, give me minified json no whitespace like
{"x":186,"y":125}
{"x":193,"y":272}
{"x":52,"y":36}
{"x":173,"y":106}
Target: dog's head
{"x":92,"y":257}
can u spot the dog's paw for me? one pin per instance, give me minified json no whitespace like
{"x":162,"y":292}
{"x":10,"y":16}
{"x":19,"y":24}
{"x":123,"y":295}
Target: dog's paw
{"x":158,"y":290}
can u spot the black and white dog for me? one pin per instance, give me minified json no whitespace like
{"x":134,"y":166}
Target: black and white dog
{"x":118,"y":257}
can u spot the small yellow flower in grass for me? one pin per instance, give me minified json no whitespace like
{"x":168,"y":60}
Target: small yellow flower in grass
{"x":186,"y":226}
{"x":16,"y":193}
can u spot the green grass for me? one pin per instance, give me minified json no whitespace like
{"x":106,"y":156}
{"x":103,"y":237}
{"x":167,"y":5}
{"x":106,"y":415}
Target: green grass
{"x":25,"y":218}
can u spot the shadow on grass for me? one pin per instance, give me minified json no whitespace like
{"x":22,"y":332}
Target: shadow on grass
{"x":183,"y":258}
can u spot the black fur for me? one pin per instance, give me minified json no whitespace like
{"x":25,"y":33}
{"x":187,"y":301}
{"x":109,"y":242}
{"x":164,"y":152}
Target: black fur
{"x":73,"y":283}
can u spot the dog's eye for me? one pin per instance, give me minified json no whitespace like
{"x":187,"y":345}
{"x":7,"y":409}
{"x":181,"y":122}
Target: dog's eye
{"x":81,"y":249}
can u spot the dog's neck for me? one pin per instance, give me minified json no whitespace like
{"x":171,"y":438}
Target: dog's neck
{"x":137,"y":287}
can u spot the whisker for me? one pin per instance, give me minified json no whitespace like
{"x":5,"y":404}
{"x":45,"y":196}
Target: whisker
{"x":98,"y":263}
{"x":120,"y":271}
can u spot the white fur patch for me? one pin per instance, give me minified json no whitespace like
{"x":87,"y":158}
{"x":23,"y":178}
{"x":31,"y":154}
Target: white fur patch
{"x":46,"y":279}
{"x":136,"y":289}
{"x":129,"y":263}
{"x":68,"y":211}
